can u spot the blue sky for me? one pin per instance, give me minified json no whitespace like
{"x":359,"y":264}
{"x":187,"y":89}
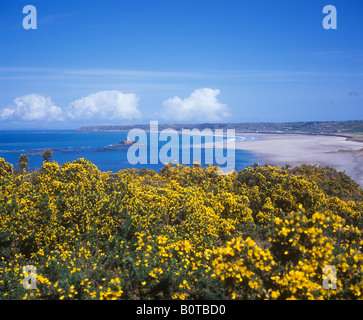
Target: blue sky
{"x":180,"y":61}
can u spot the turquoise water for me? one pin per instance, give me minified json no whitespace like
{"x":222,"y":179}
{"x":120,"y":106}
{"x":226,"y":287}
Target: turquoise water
{"x":97,"y":147}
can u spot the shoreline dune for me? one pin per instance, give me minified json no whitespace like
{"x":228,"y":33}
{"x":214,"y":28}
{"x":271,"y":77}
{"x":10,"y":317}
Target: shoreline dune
{"x":295,"y":149}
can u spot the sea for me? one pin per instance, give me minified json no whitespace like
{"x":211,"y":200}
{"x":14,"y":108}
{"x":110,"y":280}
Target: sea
{"x":100,"y":149}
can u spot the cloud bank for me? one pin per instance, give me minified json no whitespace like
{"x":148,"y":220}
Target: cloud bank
{"x":201,"y":105}
{"x":113,"y":105}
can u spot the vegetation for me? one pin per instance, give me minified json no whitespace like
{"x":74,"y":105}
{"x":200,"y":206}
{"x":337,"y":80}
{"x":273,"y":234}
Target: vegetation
{"x":181,"y":233}
{"x":23,"y":162}
{"x":47,"y":154}
{"x":331,"y":181}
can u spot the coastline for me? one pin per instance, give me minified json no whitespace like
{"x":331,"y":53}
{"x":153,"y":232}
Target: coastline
{"x":337,"y":151}
{"x":295,"y":149}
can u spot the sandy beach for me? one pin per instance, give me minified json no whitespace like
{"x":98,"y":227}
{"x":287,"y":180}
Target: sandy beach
{"x":295,"y":149}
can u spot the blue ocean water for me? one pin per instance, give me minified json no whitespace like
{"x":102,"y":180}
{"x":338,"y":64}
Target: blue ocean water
{"x":97,"y":147}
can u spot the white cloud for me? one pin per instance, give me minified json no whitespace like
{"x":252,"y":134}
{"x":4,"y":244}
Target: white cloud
{"x":201,"y":105}
{"x":32,"y":107}
{"x":6,"y":113}
{"x":105,"y":105}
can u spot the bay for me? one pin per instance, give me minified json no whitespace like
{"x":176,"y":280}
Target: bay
{"x":97,"y":147}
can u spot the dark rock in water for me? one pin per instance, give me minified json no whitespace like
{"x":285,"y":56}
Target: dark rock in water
{"x":127,"y":142}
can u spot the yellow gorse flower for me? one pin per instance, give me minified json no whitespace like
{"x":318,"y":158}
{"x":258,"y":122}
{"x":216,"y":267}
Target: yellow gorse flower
{"x":180,"y":233}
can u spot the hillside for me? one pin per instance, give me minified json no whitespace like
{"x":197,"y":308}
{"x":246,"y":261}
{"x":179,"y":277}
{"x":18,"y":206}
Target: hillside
{"x":181,"y":233}
{"x":351,"y":129}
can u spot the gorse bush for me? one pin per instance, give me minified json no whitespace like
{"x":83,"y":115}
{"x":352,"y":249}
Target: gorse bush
{"x":23,"y":162}
{"x":181,"y":233}
{"x":47,"y":154}
{"x":331,"y":181}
